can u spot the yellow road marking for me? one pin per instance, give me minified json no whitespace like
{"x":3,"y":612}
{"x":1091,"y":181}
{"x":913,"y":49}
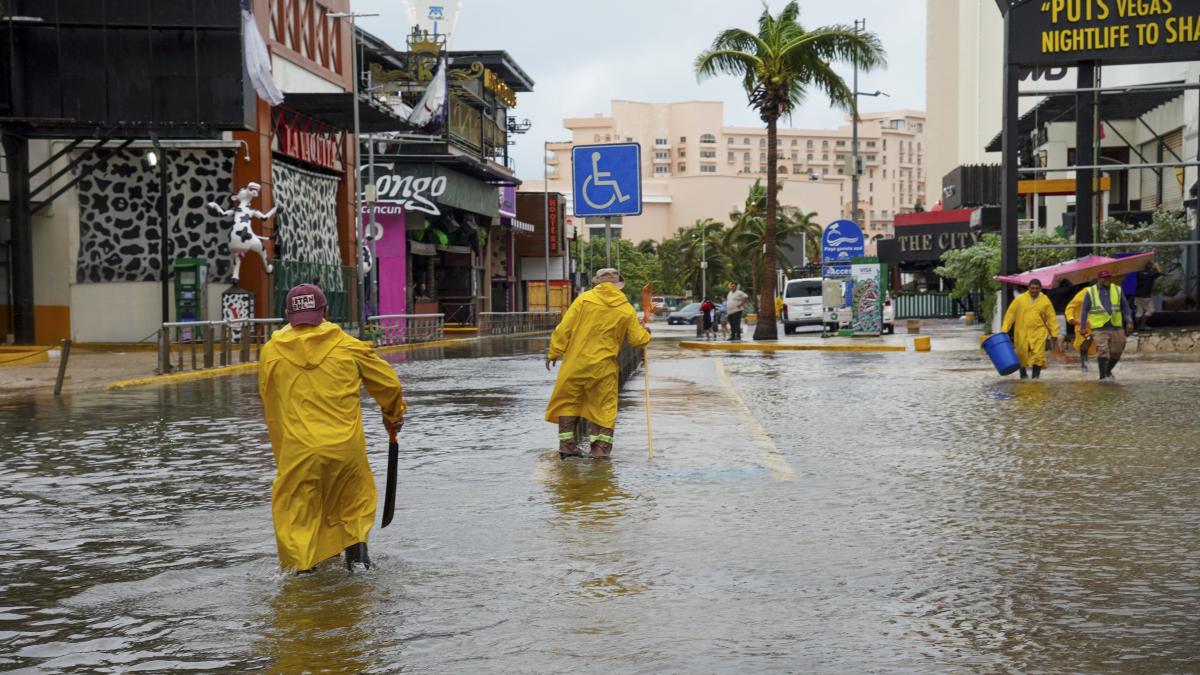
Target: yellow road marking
{"x":767,"y":452}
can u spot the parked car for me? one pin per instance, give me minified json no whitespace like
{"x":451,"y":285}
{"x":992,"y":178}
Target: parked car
{"x":688,"y":314}
{"x":802,"y":298}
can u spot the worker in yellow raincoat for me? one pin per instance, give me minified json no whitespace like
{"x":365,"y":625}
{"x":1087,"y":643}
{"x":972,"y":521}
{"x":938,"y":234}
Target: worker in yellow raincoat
{"x":588,"y":340}
{"x":1081,"y":343}
{"x":309,"y":375}
{"x":1032,"y":319}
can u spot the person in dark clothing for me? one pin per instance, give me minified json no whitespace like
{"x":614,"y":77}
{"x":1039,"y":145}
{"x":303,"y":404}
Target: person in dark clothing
{"x":708,"y":314}
{"x":1143,"y":297}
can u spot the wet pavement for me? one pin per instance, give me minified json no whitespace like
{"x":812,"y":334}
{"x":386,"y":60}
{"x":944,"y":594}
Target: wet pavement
{"x":805,"y":511}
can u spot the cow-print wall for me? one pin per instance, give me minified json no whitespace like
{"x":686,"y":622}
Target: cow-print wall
{"x":119,"y":215}
{"x":306,"y":225}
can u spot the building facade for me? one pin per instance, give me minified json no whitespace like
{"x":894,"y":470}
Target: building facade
{"x":694,"y":166}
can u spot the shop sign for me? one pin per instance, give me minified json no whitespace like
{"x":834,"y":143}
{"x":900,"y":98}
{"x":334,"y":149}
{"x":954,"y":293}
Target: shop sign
{"x":552,"y":211}
{"x":841,"y":242}
{"x":1049,"y":32}
{"x":867,"y":299}
{"x":929,"y":242}
{"x":319,"y":146}
{"x":508,"y":201}
{"x":427,"y":188}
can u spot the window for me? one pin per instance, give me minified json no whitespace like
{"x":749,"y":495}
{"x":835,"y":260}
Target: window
{"x":708,"y":168}
{"x":746,"y":157}
{"x":629,"y":139}
{"x":841,"y":172}
{"x":708,"y":154}
{"x":708,"y":138}
{"x":840,"y":158}
{"x":762,"y":156}
{"x":841,"y":144}
{"x":795,"y":142}
{"x":662,"y":154}
{"x":884,"y":173}
{"x":809,"y":145}
{"x":871,"y":187}
{"x":661,"y":169}
{"x":683,"y":139}
{"x":596,"y":139}
{"x":731,"y":140}
{"x":682,"y":153}
{"x":682,"y":167}
{"x":824,"y":156}
{"x":762,"y":142}
{"x":885,"y":144}
{"x":870,"y":144}
{"x":795,"y":155}
{"x":731,"y":157}
{"x":871,"y":158}
{"x":762,"y":169}
{"x":661,"y":141}
{"x":810,"y":155}
{"x":797,"y":169}
{"x":746,"y":141}
{"x":782,"y":169}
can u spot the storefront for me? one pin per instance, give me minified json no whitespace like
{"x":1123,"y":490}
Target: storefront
{"x":448,"y":216}
{"x":921,"y":239}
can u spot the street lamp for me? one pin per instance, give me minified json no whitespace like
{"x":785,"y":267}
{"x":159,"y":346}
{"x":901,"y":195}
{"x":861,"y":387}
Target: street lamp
{"x":358,"y":224}
{"x":859,"y":25}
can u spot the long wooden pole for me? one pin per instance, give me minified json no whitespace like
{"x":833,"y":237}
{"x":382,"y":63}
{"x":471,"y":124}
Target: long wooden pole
{"x":647,"y":308}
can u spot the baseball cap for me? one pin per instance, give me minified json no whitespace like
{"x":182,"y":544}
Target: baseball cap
{"x":305,"y":305}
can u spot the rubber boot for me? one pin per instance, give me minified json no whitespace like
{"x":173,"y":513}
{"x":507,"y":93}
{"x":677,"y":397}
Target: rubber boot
{"x":1037,"y":372}
{"x":1112,"y":363}
{"x":357,"y":553}
{"x":1103,"y":362}
{"x":568,"y":444}
{"x":1024,"y":374}
{"x":1083,"y":360}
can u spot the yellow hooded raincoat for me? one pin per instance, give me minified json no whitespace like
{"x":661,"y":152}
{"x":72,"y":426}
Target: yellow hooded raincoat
{"x":1072,"y":314}
{"x":1034,"y":321}
{"x":323,"y":497}
{"x":588,"y":340}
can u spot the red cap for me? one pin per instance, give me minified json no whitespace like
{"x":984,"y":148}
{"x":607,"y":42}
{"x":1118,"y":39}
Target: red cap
{"x":1104,"y":273}
{"x":305,"y":305}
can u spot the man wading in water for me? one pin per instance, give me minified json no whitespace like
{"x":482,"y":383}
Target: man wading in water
{"x":309,"y":373}
{"x":588,"y":340}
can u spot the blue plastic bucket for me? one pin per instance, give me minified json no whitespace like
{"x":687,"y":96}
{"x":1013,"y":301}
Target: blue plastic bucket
{"x":1000,"y":350}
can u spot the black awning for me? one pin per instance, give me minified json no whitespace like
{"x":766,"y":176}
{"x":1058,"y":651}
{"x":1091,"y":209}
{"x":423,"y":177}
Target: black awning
{"x":337,"y":111}
{"x":1116,"y":105}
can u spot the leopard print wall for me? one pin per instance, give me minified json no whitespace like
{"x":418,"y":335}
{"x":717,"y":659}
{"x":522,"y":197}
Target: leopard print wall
{"x":119,"y":215}
{"x":306,"y":225}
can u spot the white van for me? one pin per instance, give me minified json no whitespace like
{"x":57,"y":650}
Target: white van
{"x":804,"y":307}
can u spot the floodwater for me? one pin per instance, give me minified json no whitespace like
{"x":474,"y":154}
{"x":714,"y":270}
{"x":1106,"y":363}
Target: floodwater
{"x":803,"y":512}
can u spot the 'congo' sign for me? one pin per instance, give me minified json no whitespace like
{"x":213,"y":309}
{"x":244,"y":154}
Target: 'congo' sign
{"x":1048,"y":32}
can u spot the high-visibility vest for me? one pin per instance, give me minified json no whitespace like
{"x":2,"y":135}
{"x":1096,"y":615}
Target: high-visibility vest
{"x":1097,"y":317}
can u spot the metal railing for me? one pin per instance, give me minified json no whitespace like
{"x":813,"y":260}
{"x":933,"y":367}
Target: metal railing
{"x":629,"y":359}
{"x":212,"y":343}
{"x":510,"y":323}
{"x":396,"y":329}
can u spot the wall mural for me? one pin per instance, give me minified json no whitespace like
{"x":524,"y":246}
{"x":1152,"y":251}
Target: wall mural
{"x":118,"y":215}
{"x":306,"y":225}
{"x":242,"y":239}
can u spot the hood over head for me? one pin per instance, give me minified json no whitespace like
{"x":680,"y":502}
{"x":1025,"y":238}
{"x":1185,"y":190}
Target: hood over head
{"x":607,"y":294}
{"x":307,"y":346}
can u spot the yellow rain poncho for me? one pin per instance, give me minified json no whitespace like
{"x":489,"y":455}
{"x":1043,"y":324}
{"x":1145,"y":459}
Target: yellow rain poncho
{"x":588,"y":340}
{"x":1072,"y":314}
{"x":323,"y":497}
{"x":1034,"y":321}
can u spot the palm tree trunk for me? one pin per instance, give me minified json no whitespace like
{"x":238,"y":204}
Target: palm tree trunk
{"x":765,"y":328}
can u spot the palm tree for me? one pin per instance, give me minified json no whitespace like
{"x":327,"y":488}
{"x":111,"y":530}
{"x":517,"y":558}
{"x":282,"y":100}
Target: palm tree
{"x":701,"y":243}
{"x":805,"y":223}
{"x":748,"y":239}
{"x":778,"y":65}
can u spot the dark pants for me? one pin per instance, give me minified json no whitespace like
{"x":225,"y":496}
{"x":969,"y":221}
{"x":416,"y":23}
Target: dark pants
{"x":735,"y":326}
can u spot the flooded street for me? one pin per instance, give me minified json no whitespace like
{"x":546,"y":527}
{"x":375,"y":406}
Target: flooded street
{"x":805,"y":511}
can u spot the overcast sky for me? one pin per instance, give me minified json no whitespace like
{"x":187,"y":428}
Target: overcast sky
{"x":583,"y":53}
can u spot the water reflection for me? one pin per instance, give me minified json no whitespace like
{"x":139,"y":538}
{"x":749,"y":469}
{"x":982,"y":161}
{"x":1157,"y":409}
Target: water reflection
{"x":587,"y":491}
{"x":320,"y":623}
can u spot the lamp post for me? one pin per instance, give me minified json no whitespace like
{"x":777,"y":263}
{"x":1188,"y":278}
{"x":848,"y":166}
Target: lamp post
{"x":546,"y":214}
{"x":703,"y":263}
{"x":157,"y":158}
{"x":358,"y":223}
{"x":859,"y":25}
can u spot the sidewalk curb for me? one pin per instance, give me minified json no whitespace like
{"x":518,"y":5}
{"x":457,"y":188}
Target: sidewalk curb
{"x":751,"y":347}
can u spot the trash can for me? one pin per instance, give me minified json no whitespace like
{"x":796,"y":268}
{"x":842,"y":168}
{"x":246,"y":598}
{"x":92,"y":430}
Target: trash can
{"x":999,"y":348}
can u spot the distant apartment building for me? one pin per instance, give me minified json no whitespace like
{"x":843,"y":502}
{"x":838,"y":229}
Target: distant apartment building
{"x":693,"y":166}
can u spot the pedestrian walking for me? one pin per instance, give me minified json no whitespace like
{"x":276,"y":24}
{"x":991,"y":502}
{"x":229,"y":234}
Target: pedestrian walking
{"x":735,"y":305}
{"x":1106,"y":314}
{"x":309,"y":374}
{"x":1143,"y":297}
{"x":588,"y":341}
{"x":708,"y":313}
{"x":722,"y":320}
{"x":1032,"y":320}
{"x":1083,"y":342}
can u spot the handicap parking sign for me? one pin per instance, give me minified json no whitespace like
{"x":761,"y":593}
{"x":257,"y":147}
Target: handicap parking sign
{"x":607,"y":180}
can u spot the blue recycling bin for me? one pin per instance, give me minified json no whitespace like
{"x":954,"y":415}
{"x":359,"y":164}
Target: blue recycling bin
{"x":999,"y":348}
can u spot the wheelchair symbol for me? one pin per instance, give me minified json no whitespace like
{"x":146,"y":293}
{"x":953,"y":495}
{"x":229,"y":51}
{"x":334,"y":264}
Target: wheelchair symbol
{"x":600,"y":178}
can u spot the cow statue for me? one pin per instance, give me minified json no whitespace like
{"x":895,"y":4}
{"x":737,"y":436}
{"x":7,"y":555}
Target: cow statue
{"x":242,"y":239}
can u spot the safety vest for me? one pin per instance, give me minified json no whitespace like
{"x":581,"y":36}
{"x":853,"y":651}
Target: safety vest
{"x":1097,"y":317}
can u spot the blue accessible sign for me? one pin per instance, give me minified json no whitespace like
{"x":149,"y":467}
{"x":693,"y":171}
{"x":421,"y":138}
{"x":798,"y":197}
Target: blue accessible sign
{"x":607,"y":180}
{"x":841,"y":243}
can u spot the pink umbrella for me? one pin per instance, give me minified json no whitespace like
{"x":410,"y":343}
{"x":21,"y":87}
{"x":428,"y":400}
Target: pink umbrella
{"x":1079,"y":271}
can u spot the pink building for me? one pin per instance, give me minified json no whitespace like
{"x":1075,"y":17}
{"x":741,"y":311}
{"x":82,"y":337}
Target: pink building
{"x":693,"y":166}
